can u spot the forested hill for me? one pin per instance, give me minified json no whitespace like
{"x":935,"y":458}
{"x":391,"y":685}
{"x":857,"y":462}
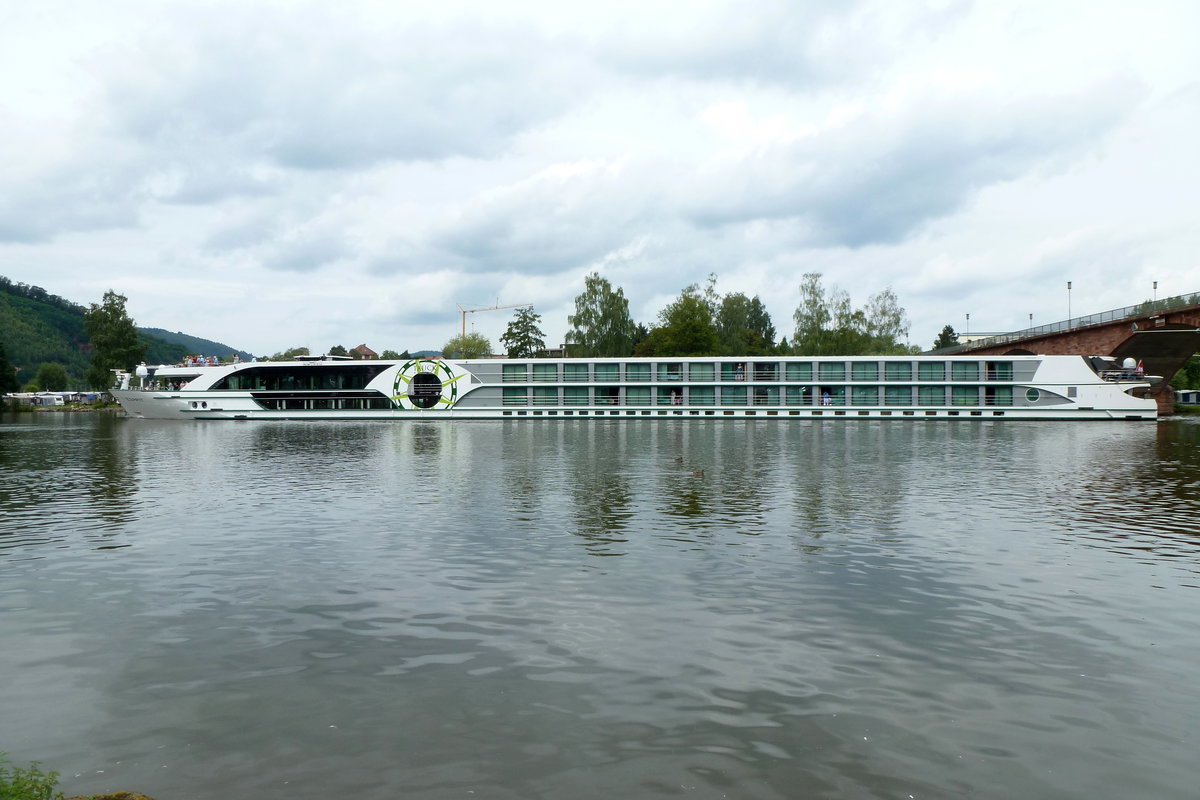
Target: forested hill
{"x":195,"y":345}
{"x":37,"y":327}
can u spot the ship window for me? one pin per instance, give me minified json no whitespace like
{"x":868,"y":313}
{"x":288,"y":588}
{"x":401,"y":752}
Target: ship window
{"x":999,"y":370}
{"x":575,"y":372}
{"x":701,"y":372}
{"x":931,"y":371}
{"x":546,"y":373}
{"x":606,"y":372}
{"x":798,"y":371}
{"x":931,"y":395}
{"x":669,"y":396}
{"x":964,"y":395}
{"x":670,"y":372}
{"x":1072,"y":391}
{"x":514,"y":372}
{"x":832,"y":396}
{"x":1033,"y":395}
{"x":865,"y":395}
{"x":515,"y":397}
{"x":607,"y":395}
{"x":766,"y":395}
{"x":897,"y":395}
{"x":545,"y":396}
{"x":733,"y":371}
{"x":637,"y":372}
{"x":897,"y":370}
{"x":766,"y":371}
{"x":575,"y":396}
{"x":733,"y":395}
{"x":831,"y":371}
{"x":637,"y":395}
{"x":864,"y":370}
{"x":425,"y":390}
{"x":702,"y":396}
{"x":964,"y":371}
{"x":998,"y":396}
{"x":798,"y":395}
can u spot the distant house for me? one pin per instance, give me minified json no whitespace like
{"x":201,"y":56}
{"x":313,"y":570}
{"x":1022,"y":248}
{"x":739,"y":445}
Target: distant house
{"x":364,"y":352}
{"x":1187,"y":397}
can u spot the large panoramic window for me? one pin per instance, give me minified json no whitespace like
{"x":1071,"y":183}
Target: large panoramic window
{"x":515,"y":373}
{"x":515,"y":397}
{"x":606,"y":372}
{"x":897,"y":370}
{"x":701,"y":372}
{"x":701,"y":396}
{"x":575,"y":372}
{"x":670,"y":372}
{"x":575,"y":396}
{"x":338,"y":375}
{"x":766,"y":371}
{"x":897,"y":395}
{"x":545,"y":396}
{"x":998,"y":396}
{"x":545,"y":373}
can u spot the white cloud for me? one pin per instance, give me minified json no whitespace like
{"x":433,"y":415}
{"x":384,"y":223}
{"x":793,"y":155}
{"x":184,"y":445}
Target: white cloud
{"x":306,"y":174}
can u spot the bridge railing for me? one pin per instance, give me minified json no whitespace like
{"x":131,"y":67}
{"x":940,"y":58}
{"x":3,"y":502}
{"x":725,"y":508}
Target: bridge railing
{"x":1140,"y":310}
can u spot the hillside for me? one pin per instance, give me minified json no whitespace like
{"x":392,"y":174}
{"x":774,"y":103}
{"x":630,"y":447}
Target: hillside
{"x":37,"y":327}
{"x":196,"y":345}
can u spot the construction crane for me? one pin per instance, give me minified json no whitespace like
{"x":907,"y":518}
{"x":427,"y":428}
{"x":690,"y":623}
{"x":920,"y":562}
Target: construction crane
{"x":496,"y":307}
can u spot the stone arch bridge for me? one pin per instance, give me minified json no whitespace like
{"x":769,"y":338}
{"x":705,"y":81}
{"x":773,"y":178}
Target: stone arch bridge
{"x":1162,"y":334}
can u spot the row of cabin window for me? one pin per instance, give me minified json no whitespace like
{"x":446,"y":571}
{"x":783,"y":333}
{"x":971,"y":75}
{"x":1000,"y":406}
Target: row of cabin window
{"x":802,"y":371}
{"x":762,"y":395}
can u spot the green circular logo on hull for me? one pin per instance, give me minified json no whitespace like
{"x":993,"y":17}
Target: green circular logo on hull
{"x":425,"y":384}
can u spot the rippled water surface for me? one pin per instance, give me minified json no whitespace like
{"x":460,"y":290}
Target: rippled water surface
{"x":601,"y":608}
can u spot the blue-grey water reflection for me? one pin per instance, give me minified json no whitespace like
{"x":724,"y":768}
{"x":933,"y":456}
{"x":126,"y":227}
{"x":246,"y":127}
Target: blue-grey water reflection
{"x":567,"y":609}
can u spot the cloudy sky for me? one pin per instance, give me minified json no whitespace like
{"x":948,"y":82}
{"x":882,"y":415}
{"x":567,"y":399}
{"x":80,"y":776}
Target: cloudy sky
{"x":274,"y":174}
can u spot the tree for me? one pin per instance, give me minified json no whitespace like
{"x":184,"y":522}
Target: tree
{"x":472,"y":345}
{"x":601,"y":325}
{"x":289,"y":354}
{"x":392,"y":355}
{"x":338,"y":350}
{"x":1189,"y":376}
{"x":524,"y":339}
{"x":8,"y":374}
{"x":687,"y":327}
{"x":51,"y":377}
{"x":947,"y":338}
{"x":744,"y":327}
{"x":114,"y":340}
{"x":830,"y":325}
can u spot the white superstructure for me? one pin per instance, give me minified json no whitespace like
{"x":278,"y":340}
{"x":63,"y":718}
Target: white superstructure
{"x":858,"y":387}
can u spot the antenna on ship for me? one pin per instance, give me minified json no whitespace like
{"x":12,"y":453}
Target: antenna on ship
{"x":496,"y":307}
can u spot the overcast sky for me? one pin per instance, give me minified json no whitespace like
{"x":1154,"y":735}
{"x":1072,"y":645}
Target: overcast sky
{"x":279,"y":174}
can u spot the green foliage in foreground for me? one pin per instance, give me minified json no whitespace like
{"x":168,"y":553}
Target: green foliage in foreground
{"x":27,"y":784}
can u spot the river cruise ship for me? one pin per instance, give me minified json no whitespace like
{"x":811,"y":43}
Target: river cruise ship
{"x":860,"y":387}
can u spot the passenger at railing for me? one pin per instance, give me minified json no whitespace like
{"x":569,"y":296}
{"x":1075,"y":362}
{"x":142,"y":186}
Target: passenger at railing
{"x":675,"y":398}
{"x":826,"y":400}
{"x":739,"y":374}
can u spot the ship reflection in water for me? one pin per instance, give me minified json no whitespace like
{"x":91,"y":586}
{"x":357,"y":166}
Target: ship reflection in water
{"x":601,"y":608}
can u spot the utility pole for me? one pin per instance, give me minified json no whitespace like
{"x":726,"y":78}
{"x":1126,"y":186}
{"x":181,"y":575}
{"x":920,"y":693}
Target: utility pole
{"x":496,"y":307}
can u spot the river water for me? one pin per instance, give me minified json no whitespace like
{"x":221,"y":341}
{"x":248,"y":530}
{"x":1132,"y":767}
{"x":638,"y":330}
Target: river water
{"x":565,"y":609}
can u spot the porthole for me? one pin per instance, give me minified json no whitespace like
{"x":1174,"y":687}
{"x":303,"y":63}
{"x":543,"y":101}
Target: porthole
{"x":1033,"y":395}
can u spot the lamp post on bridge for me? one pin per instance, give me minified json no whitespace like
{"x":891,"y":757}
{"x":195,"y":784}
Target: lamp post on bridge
{"x":1156,"y":291}
{"x":968,"y":330}
{"x":1068,"y":302}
